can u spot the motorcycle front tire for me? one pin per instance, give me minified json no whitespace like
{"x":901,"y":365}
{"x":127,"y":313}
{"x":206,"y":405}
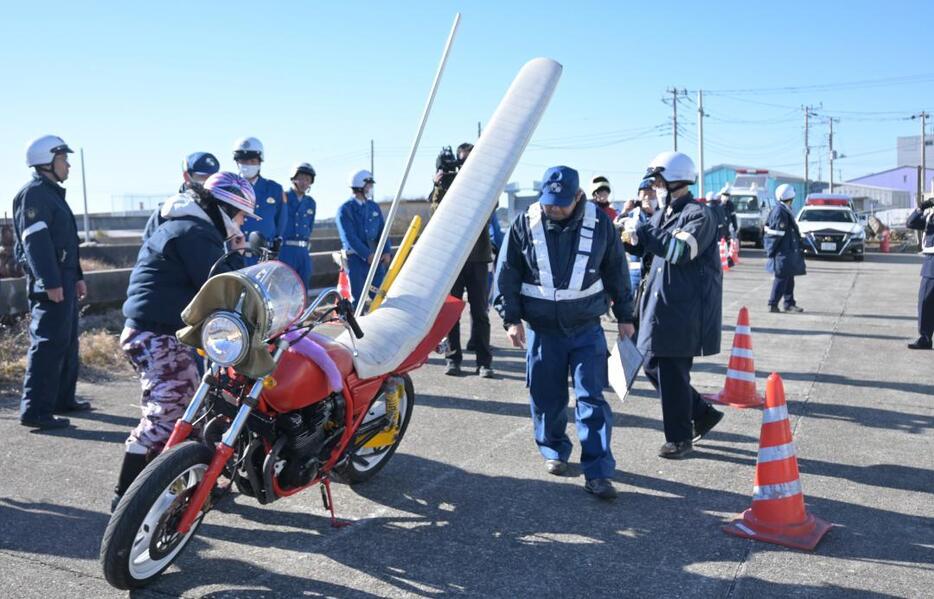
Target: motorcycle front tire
{"x":134,"y":518}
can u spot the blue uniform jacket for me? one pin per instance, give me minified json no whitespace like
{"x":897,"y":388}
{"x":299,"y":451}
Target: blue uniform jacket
{"x":568,"y":317}
{"x":784,"y":254}
{"x":681,"y":312}
{"x":301,"y":219}
{"x":172,"y":266}
{"x":46,"y":235}
{"x":270,"y":206}
{"x":360,"y":227}
{"x":920,"y":222}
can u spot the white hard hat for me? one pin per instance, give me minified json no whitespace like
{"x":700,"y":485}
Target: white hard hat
{"x":248,"y":147}
{"x":599,"y":182}
{"x":784,"y":192}
{"x":43,"y":150}
{"x":360,"y":178}
{"x":672,"y":167}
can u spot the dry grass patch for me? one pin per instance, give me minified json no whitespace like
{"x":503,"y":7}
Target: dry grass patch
{"x":92,"y":264}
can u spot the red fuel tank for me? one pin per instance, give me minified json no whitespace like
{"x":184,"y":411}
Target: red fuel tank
{"x":298,"y":381}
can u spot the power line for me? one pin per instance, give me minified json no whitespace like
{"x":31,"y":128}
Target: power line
{"x":845,"y":85}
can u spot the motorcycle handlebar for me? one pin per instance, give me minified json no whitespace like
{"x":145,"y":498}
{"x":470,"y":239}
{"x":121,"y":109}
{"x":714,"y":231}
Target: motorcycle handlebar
{"x":346,"y":308}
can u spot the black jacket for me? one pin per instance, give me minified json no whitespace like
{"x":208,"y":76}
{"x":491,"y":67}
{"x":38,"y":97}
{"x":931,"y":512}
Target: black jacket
{"x":607,"y":262}
{"x":918,"y":220}
{"x":681,"y":312}
{"x":46,"y":236}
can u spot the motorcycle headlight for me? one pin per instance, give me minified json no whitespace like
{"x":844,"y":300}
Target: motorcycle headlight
{"x":225,"y":338}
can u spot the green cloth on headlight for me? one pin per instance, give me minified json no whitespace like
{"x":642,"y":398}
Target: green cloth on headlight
{"x":222,"y":292}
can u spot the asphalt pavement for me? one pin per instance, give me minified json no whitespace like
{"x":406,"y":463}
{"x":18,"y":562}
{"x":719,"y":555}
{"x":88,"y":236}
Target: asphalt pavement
{"x":466,"y":508}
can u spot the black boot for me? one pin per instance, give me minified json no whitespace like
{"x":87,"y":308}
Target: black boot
{"x":133,"y":464}
{"x":921,"y":343}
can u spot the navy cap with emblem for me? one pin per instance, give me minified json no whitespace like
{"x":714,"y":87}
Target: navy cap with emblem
{"x":202,"y":163}
{"x":559,"y":186}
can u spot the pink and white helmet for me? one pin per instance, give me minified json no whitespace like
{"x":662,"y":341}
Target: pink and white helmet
{"x":234,"y":190}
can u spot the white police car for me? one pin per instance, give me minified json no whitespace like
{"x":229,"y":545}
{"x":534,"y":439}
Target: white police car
{"x":830,"y":227}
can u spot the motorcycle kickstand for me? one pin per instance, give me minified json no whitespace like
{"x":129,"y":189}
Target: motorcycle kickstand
{"x":329,"y":504}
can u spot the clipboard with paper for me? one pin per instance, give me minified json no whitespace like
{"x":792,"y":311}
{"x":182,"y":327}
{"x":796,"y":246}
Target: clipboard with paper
{"x":623,"y":366}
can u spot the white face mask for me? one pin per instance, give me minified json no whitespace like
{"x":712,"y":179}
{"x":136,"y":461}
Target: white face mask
{"x":661,"y":194}
{"x":248,"y":171}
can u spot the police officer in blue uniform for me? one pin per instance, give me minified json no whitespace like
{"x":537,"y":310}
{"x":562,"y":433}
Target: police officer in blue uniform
{"x":563,"y":262}
{"x":270,"y":198}
{"x":922,"y":219}
{"x":47,"y":244}
{"x":784,"y":254}
{"x":301,"y":209}
{"x":680,"y":311}
{"x":196,"y":169}
{"x":360,"y":225}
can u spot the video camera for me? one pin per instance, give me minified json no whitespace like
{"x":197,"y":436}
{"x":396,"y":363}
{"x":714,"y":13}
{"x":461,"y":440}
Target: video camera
{"x":447,"y":162}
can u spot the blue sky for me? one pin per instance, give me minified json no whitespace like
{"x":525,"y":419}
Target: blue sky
{"x":139,"y":85}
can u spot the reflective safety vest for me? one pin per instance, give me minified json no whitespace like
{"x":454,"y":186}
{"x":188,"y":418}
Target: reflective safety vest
{"x":547,"y":290}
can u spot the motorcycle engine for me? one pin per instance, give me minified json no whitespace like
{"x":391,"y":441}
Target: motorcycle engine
{"x":308,"y":432}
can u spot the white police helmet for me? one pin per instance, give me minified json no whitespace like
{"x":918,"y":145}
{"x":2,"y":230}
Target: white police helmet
{"x":248,"y":147}
{"x":42,"y":151}
{"x":303,"y":168}
{"x":784,"y":192}
{"x":359,"y":179}
{"x":672,"y":167}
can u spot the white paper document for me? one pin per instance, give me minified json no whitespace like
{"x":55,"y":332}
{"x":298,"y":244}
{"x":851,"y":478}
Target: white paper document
{"x":623,"y":366}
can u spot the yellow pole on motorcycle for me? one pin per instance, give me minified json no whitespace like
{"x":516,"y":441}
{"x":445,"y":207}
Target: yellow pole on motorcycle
{"x":415,"y":227}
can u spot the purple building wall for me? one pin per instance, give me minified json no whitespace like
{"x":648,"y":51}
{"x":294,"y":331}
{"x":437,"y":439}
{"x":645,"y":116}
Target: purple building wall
{"x":904,"y":178}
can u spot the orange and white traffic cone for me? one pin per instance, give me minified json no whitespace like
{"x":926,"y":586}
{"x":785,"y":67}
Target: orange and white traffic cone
{"x":778,"y":514}
{"x":734,"y":250}
{"x":724,"y":262}
{"x":343,"y":285}
{"x":739,"y":390}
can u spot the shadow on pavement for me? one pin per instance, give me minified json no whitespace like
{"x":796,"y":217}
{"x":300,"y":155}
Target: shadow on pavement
{"x":43,"y":528}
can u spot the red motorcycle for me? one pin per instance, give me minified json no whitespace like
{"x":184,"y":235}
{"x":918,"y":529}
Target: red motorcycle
{"x":280,"y":409}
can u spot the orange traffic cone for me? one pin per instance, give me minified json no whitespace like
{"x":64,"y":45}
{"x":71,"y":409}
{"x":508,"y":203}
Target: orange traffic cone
{"x":739,"y":390}
{"x":724,"y":262}
{"x":734,"y":250}
{"x":343,"y":285}
{"x":778,"y":514}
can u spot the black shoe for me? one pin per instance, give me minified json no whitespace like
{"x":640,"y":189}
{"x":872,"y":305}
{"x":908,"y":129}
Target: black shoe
{"x":774,"y":309}
{"x":706,"y":422}
{"x":133,"y":464}
{"x":675,"y":451}
{"x":601,"y":487}
{"x":921,"y":343}
{"x":77,"y":406}
{"x":454,"y":369}
{"x":45,"y":424}
{"x":485,"y":372}
{"x":793,"y":308}
{"x":556,"y":467}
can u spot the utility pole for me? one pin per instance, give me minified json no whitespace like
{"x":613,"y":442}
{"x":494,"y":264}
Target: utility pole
{"x":924,"y":164}
{"x":807,"y":152}
{"x":479,"y":130}
{"x":372,"y":160}
{"x":675,"y":92}
{"x":84,"y":189}
{"x":700,"y":141}
{"x":832,"y":154}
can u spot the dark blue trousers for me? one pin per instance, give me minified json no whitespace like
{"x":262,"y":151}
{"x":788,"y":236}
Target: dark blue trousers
{"x":300,"y":261}
{"x":52,"y":361}
{"x":550,"y":358}
{"x":926,"y":307}
{"x":357,"y":268}
{"x":681,"y":403}
{"x":783,"y":289}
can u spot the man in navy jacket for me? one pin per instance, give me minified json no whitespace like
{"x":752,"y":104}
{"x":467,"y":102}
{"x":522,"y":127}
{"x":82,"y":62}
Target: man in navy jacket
{"x":785,"y":257}
{"x":922,"y":219}
{"x":563,"y":261}
{"x":680,"y":312}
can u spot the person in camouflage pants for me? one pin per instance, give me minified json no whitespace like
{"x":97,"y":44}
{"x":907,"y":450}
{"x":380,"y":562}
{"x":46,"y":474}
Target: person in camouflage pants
{"x":169,"y":376}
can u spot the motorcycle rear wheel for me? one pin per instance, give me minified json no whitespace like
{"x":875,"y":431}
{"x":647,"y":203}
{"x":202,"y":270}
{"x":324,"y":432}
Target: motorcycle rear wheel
{"x":140,"y":541}
{"x":366,"y":462}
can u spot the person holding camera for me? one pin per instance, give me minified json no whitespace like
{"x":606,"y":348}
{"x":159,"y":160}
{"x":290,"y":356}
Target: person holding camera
{"x":474,"y":278}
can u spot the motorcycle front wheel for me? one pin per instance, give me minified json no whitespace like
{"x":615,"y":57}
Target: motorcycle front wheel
{"x":365,"y":462}
{"x":141,"y":539}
